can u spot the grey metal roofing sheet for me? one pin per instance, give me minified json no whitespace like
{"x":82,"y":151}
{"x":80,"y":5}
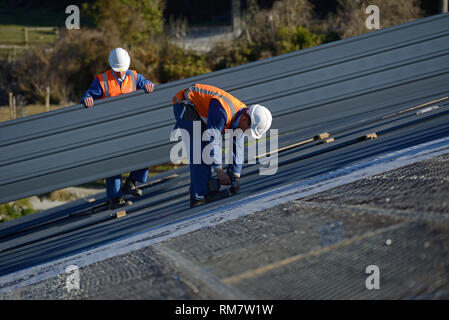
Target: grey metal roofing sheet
{"x":379,"y":70}
{"x":61,"y":232}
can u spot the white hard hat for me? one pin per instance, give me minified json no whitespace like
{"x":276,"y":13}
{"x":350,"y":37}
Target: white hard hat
{"x":119,"y":59}
{"x":260,"y":120}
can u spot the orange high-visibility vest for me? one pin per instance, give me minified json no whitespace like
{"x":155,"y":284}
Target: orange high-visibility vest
{"x":200,"y":95}
{"x":110,"y":86}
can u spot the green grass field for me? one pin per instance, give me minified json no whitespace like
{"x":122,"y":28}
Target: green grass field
{"x":15,"y":35}
{"x":13,"y":20}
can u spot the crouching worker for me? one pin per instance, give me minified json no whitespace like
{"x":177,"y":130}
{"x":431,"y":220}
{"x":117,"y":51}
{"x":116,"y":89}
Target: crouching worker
{"x":217,"y":110}
{"x":116,"y":81}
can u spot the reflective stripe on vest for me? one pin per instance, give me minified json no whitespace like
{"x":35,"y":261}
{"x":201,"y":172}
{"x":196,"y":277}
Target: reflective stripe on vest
{"x":104,"y":78}
{"x":133,"y":80}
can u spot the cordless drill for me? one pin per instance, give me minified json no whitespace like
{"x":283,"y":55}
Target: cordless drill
{"x":214,"y":183}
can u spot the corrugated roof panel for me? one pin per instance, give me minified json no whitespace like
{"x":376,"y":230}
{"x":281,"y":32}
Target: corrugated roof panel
{"x":75,"y":145}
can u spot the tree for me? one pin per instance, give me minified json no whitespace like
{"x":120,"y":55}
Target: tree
{"x":133,"y":21}
{"x":350,"y":18}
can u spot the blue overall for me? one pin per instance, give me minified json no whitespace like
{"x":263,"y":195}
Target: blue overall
{"x":200,"y":174}
{"x":114,"y":184}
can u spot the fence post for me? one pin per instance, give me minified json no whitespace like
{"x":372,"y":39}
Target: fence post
{"x":444,"y":6}
{"x":47,"y":99}
{"x":236,"y":16}
{"x":13,"y":106}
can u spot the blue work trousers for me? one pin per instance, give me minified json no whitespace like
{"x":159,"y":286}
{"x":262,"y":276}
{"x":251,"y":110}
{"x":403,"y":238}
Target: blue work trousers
{"x":200,"y":174}
{"x":114,"y":184}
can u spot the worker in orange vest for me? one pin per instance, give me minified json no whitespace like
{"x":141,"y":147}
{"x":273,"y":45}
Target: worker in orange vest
{"x":216,"y":110}
{"x":116,"y":81}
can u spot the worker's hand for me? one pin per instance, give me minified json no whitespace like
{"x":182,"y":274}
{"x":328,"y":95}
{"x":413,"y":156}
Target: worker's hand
{"x":223,"y":178}
{"x":149,"y":87}
{"x":89,"y":102}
